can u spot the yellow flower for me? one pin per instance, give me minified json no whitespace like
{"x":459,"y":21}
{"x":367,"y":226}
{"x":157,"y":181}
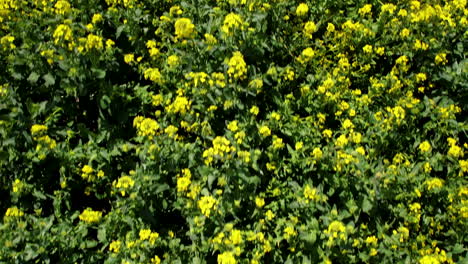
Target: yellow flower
{"x":36,"y":129}
{"x":13,"y":212}
{"x":17,"y":186}
{"x":347,"y":124}
{"x":62,"y":32}
{"x":233,"y":126}
{"x":380,"y":51}
{"x":155,"y":260}
{"x":184,"y":28}
{"x":173,"y":61}
{"x":404,"y":33}
{"x":96,"y":18}
{"x":299,"y":145}
{"x":463,"y":165}
{"x":390,"y":8}
{"x":210,"y":40}
{"x":425,"y":147}
{"x":153,"y":75}
{"x":309,"y":29}
{"x":302,"y":9}
{"x":264,"y":131}
{"x":62,"y":7}
{"x":421,"y":77}
{"x":236,"y":237}
{"x":124,"y":182}
{"x":115,"y":246}
{"x":327,"y":133}
{"x":180,"y":105}
{"x":90,"y":216}
{"x":289,"y":232}
{"x":237,"y":66}
{"x":175,"y":10}
{"x":434,"y":183}
{"x":277,"y":142}
{"x":146,"y":126}
{"x":366,"y":9}
{"x":428,"y":259}
{"x":441,"y":58}
{"x":206,"y":204}
{"x":372,"y":240}
{"x":455,"y":151}
{"x":254,"y":110}
{"x":306,"y":55}
{"x":317,"y":153}
{"x":226,"y":258}
{"x":144,"y":234}
{"x":269,"y":215}
{"x":341,"y":141}
{"x":94,"y":42}
{"x":367,"y":49}
{"x":183,"y":183}
{"x":256,"y":84}
{"x":109,"y":43}
{"x":129,"y":58}
{"x":260,"y":202}
{"x":231,"y":22}
{"x":420,"y":45}
{"x":87,"y":169}
{"x":310,"y":193}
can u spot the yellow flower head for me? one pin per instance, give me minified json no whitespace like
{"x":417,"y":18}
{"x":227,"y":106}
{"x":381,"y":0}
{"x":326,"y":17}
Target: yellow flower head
{"x":302,"y":9}
{"x":89,"y":216}
{"x":237,"y":66}
{"x":232,"y":22}
{"x":309,"y":29}
{"x":425,"y":147}
{"x":184,"y":28}
{"x":206,"y":204}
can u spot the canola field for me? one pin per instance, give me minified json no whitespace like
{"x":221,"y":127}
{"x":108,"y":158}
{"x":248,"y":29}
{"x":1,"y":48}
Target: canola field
{"x":233,"y":131}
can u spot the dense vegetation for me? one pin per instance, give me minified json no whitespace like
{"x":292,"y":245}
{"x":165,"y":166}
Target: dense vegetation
{"x":233,"y":131}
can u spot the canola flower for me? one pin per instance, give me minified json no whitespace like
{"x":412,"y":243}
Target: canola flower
{"x":124,"y":183}
{"x":434,"y":183}
{"x":7,"y":42}
{"x":184,"y":28}
{"x":207,"y":204}
{"x":153,"y":74}
{"x":226,"y":258}
{"x":237,"y":66}
{"x":183,"y":182}
{"x":310,"y":193}
{"x":302,"y":9}
{"x":89,"y":216}
{"x":221,"y":149}
{"x":181,"y":105}
{"x":13,"y":212}
{"x":94,"y":42}
{"x":147,"y":127}
{"x":115,"y":246}
{"x":231,"y":23}
{"x":425,"y":146}
{"x":309,"y":28}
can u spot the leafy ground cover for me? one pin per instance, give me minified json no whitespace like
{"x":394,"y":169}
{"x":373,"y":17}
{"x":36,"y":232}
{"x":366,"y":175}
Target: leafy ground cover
{"x":233,"y":131}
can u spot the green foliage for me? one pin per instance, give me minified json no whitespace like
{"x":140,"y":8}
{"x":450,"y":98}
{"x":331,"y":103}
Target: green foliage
{"x":233,"y":131}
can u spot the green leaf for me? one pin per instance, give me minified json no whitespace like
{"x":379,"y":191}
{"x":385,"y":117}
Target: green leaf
{"x":49,"y":79}
{"x":98,"y":73}
{"x":366,"y":205}
{"x":104,"y":102}
{"x":101,"y":235}
{"x":33,"y":77}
